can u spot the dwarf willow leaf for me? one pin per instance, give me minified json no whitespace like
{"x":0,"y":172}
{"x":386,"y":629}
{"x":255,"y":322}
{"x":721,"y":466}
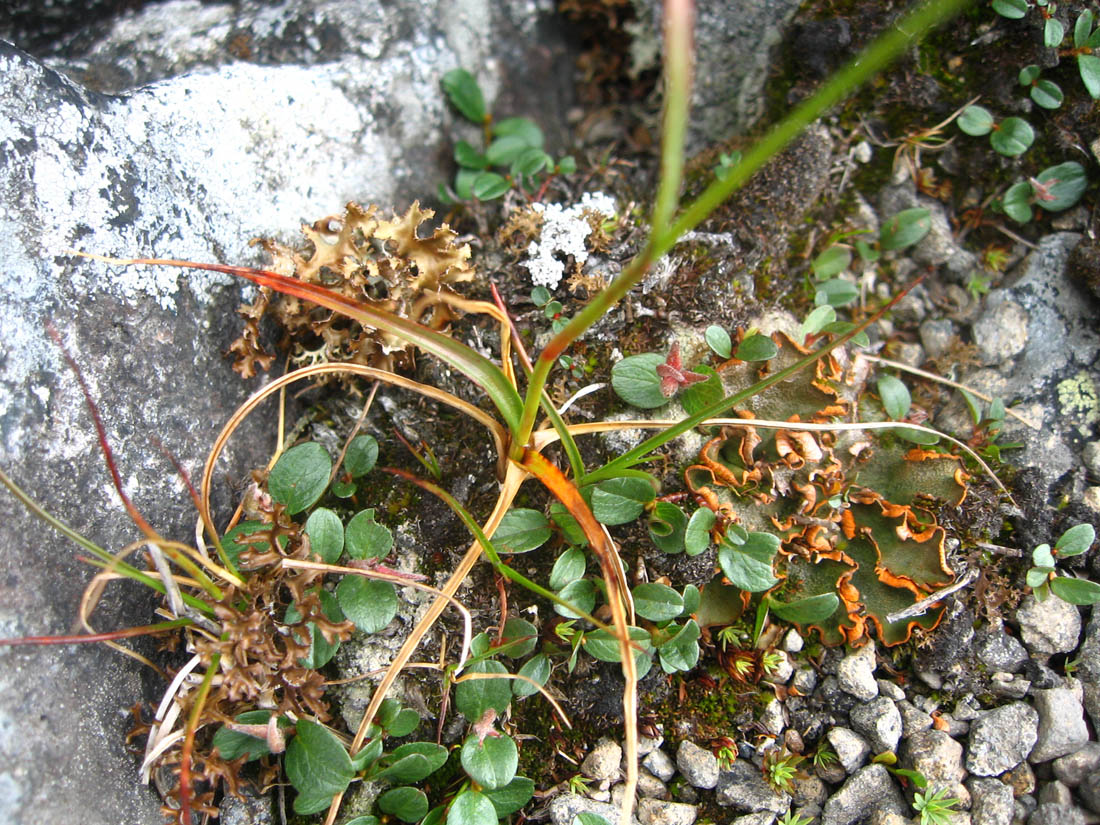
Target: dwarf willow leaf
{"x":521,"y":530}
{"x":524,"y":634}
{"x":475,"y":696}
{"x":806,"y":611}
{"x":749,"y":566}
{"x":1089,"y":67}
{"x":300,"y":476}
{"x":636,"y":382}
{"x":697,"y":396}
{"x":621,"y":500}
{"x":464,"y":93}
{"x":697,"y":534}
{"x":316,"y":763}
{"x":361,"y":456}
{"x":407,"y":804}
{"x":520,"y":127}
{"x":320,"y":649}
{"x":836,"y":292}
{"x":365,"y":538}
{"x":657,"y":602}
{"x":681,"y":652}
{"x":537,"y":669}
{"x":1028,"y":75}
{"x":233,"y":744}
{"x":692,"y":598}
{"x":511,"y":797}
{"x":895,"y":396}
{"x":1075,"y":591}
{"x":1013,"y":137}
{"x":370,"y":604}
{"x":488,"y":186}
{"x":436,"y":755}
{"x":570,"y":528}
{"x":471,"y":808}
{"x":906,"y":228}
{"x":605,"y":646}
{"x":976,"y":121}
{"x":412,"y":767}
{"x":668,"y":527}
{"x":581,"y":594}
{"x":1076,"y":540}
{"x":491,"y":762}
{"x":367,"y":755}
{"x":365,"y":820}
{"x":831,"y":261}
{"x":506,"y":149}
{"x":567,"y":165}
{"x":922,"y":437}
{"x":466,"y":155}
{"x":1064,"y":185}
{"x":1012,"y":9}
{"x":464,"y":182}
{"x":756,"y":347}
{"x":1047,"y":93}
{"x":719,"y":341}
{"x":568,"y":568}
{"x":326,"y":534}
{"x":816,"y":321}
{"x":1017,"y":202}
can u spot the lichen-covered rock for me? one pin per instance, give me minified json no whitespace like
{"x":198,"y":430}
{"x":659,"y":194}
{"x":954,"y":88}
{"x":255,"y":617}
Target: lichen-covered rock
{"x":603,"y":760}
{"x":990,"y":802}
{"x":1001,"y":739}
{"x":1050,"y":626}
{"x":1062,"y":727}
{"x":743,"y":788}
{"x":940,"y":759}
{"x":699,"y":766}
{"x":856,"y":673}
{"x":879,"y":721}
{"x":869,"y":789}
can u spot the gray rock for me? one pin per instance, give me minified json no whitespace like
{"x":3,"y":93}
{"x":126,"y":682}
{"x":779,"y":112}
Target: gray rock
{"x":1091,"y":456}
{"x":1047,"y":627}
{"x":1074,"y":767}
{"x":1001,"y":331}
{"x":699,"y":766}
{"x":191,"y":167}
{"x":743,"y":788}
{"x":1088,"y":668}
{"x":880,"y":722}
{"x":564,"y":807}
{"x":1008,"y":685}
{"x":1062,"y":727}
{"x":1001,"y":739}
{"x":939,"y":247}
{"x":804,"y":680}
{"x":856,"y":673}
{"x":650,"y":786}
{"x":793,"y":641}
{"x":761,"y":818}
{"x":891,"y":690}
{"x":774,"y":718}
{"x":1055,"y":792}
{"x":809,"y":791}
{"x":1051,"y":813}
{"x":660,"y":765}
{"x":850,"y":748}
{"x":998,"y":650}
{"x":646,"y":745}
{"x":990,"y":802}
{"x":869,"y":789}
{"x":728,"y":94}
{"x":659,"y":812}
{"x":913,"y":719}
{"x":939,"y":757}
{"x":1090,"y":791}
{"x":603,"y":760}
{"x":936,"y":336}
{"x":1021,"y":779}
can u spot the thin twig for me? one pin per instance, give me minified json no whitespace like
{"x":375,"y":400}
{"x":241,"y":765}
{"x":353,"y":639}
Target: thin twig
{"x":927,"y":602}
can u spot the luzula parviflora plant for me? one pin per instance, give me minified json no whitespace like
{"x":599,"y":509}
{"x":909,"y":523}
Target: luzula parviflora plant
{"x":224,"y":597}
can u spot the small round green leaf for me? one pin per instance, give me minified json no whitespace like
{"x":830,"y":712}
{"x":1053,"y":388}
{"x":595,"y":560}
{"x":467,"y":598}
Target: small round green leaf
{"x":1082,"y":29}
{"x":1064,"y":185}
{"x":657,"y":602}
{"x":513,"y":796}
{"x":697,"y":396}
{"x":521,"y":635}
{"x":361,"y":456}
{"x":1089,"y":67}
{"x":636,"y":382}
{"x":836,"y":292}
{"x":697,"y":534}
{"x":681,"y":652}
{"x":365,"y":820}
{"x":316,"y":763}
{"x":976,"y":120}
{"x":1012,"y":9}
{"x":806,"y":611}
{"x":750,"y":565}
{"x":692,"y":598}
{"x":464,"y":93}
{"x":816,"y":321}
{"x":464,"y":182}
{"x":407,"y":804}
{"x":488,"y":186}
{"x":503,"y":150}
{"x":531,"y":162}
{"x":1028,"y":75}
{"x":537,"y":669}
{"x":756,"y":347}
{"x":905,"y":228}
{"x":475,"y":696}
{"x":321,"y":650}
{"x":581,"y":594}
{"x":568,"y":567}
{"x":921,"y":437}
{"x":1075,"y":591}
{"x":233,"y":744}
{"x":466,"y":155}
{"x":521,"y":530}
{"x":1013,"y":138}
{"x":365,"y":538}
{"x":667,"y":527}
{"x":471,"y":808}
{"x":1042,"y":557}
{"x":1053,"y":32}
{"x":567,"y":165}
{"x":719,"y":341}
{"x":1075,"y":540}
{"x":831,"y":261}
{"x":326,"y":534}
{"x":521,"y":127}
{"x":371,"y":604}
{"x":1017,"y":202}
{"x":300,"y":476}
{"x":492,"y":762}
{"x":1048,"y":94}
{"x":604,"y":646}
{"x":621,"y":500}
{"x":895,"y":397}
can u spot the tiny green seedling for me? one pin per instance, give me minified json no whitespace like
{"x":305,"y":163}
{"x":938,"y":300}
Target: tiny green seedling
{"x":1055,"y":189}
{"x":512,"y":154}
{"x":1011,"y":137}
{"x":1041,"y":577}
{"x":934,"y":808}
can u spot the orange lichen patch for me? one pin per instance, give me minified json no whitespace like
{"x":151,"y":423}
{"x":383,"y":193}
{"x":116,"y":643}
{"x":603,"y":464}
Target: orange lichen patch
{"x":383,"y":263}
